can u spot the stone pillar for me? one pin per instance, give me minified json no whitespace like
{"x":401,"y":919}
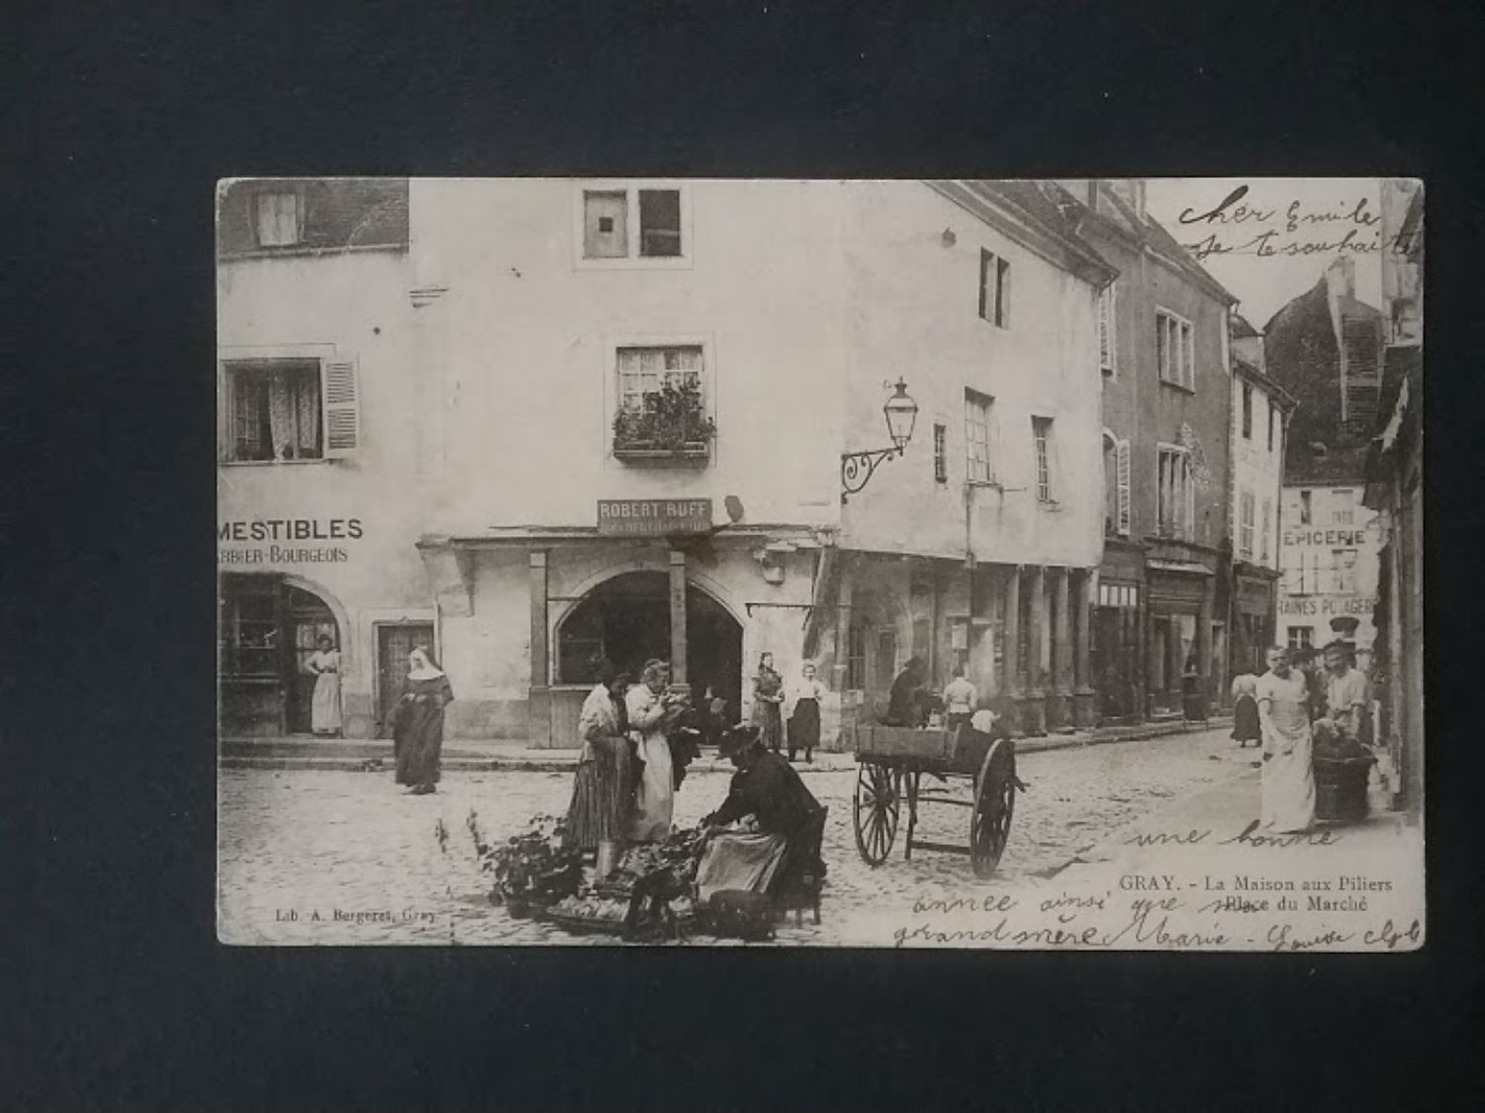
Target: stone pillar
{"x":1034,"y":705}
{"x":1082,"y":637}
{"x":539,"y":696}
{"x":846,"y":739}
{"x":1010,"y":687}
{"x":677,"y":617}
{"x":1059,"y":701}
{"x":1204,"y":646}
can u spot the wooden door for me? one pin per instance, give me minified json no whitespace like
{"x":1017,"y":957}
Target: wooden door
{"x":393,"y":644}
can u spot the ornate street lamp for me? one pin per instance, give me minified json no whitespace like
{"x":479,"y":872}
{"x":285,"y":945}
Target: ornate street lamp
{"x":856,"y":468}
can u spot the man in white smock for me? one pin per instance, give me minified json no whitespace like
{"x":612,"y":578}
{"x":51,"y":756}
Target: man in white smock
{"x":1284,"y":716}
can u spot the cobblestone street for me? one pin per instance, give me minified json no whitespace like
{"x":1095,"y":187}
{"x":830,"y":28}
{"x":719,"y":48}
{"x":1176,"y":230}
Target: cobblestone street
{"x":309,"y":857}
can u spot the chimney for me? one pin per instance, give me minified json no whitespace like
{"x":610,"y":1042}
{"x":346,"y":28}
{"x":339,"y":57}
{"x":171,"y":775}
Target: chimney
{"x":1340,"y":277}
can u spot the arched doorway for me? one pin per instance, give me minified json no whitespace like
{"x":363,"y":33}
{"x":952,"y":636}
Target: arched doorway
{"x":267,"y":630}
{"x":626,"y":620}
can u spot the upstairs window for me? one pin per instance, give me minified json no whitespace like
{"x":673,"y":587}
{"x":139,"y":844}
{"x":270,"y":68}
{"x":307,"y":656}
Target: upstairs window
{"x":1245,"y":524}
{"x":633,"y":224}
{"x":1301,"y":637}
{"x":940,"y":454}
{"x":1344,"y":570}
{"x":1175,"y":507}
{"x":1270,"y":426}
{"x":1247,"y":412}
{"x":662,"y":403}
{"x":1175,"y":353}
{"x":1305,"y":509}
{"x":1343,"y":511}
{"x":1108,"y":352}
{"x":283,"y":410}
{"x":277,"y":218}
{"x":979,"y":415}
{"x":1041,"y":438}
{"x":995,"y":289}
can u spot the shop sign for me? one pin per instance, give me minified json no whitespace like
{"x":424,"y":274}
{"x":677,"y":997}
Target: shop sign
{"x":246,"y":543}
{"x":630,"y":517}
{"x":1253,"y":596}
{"x":1325,"y":606}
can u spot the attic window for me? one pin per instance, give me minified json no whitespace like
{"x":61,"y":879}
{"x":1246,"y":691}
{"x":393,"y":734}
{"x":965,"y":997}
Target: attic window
{"x":1318,"y":450}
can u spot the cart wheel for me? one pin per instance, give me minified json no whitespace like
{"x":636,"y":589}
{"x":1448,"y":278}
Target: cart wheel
{"x":874,"y":810}
{"x":995,"y":801}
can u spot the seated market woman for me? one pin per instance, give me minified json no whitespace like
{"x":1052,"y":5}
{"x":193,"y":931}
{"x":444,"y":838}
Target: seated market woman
{"x":772,"y":811}
{"x":602,"y":790}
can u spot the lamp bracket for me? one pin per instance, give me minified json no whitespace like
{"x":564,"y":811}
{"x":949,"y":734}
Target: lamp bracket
{"x":857,"y":468}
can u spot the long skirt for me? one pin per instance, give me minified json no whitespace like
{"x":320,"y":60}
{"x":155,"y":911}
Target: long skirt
{"x":745,"y":863}
{"x":654,"y":802}
{"x":767,"y":716}
{"x":324,"y":709}
{"x":600,"y":796}
{"x":1289,"y":790}
{"x":804,"y":726}
{"x":417,"y":742}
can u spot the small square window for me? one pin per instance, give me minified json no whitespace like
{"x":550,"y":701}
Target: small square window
{"x":605,"y":224}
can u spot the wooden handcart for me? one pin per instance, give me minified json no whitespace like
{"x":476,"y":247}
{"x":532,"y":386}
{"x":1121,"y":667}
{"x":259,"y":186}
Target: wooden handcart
{"x":891,"y":764}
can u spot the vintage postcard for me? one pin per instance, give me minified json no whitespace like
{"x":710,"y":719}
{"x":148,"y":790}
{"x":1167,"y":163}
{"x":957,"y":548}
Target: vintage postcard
{"x":970,"y":563}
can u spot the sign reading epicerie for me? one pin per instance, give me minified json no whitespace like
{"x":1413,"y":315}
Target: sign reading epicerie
{"x":286,"y":540}
{"x":654,"y":516}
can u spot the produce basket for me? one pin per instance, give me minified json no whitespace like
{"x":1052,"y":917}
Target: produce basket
{"x":1340,"y":788}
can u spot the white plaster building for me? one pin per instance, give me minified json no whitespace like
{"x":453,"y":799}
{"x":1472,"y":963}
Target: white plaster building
{"x":515,"y":443}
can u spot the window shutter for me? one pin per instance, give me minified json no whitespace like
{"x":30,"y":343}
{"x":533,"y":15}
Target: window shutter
{"x":1004,"y":287}
{"x":1121,"y":468}
{"x":342,"y":409}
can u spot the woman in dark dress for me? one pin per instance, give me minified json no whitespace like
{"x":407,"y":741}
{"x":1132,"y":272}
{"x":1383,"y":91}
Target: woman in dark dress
{"x":417,"y":723}
{"x":1245,"y":725}
{"x":768,"y":697}
{"x":602,"y":790}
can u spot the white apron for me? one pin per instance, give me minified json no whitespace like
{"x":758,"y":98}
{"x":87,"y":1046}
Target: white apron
{"x":655,"y":800}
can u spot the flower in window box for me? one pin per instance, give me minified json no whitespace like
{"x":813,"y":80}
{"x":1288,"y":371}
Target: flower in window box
{"x":671,"y":419}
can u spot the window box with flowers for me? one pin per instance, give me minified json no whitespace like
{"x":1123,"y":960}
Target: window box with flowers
{"x":662,"y":417}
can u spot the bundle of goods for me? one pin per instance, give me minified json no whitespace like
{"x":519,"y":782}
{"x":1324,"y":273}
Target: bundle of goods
{"x":531,"y":870}
{"x":1342,"y":766}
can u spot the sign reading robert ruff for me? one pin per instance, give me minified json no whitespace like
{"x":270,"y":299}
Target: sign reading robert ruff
{"x":642,"y":516}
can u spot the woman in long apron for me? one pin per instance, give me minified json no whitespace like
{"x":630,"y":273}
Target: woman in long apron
{"x":1288,"y":777}
{"x":324,"y":666}
{"x":599,"y":812}
{"x":650,"y":715}
{"x":804,"y":723}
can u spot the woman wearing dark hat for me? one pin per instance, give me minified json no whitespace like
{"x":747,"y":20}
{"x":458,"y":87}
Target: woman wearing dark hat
{"x":767,"y":807}
{"x":600,"y":792}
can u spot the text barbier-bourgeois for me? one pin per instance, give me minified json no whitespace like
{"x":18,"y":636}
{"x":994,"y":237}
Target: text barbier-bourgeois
{"x":287,"y":530}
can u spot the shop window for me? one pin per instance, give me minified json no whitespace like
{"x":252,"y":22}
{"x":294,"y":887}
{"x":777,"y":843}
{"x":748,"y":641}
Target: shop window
{"x":1175,"y":506}
{"x":1175,"y":353}
{"x":995,"y":289}
{"x":940,"y":454}
{"x":979,"y":418}
{"x":609,"y":214}
{"x":250,"y":634}
{"x":1247,"y":412}
{"x":279,"y":410}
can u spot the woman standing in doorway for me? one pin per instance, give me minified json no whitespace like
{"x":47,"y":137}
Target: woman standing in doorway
{"x":417,"y":723}
{"x":324,"y":666}
{"x":651,"y":713}
{"x":768,"y":697}
{"x":804,"y":723}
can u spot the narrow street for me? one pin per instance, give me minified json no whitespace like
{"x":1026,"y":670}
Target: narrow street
{"x":353,"y":849}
